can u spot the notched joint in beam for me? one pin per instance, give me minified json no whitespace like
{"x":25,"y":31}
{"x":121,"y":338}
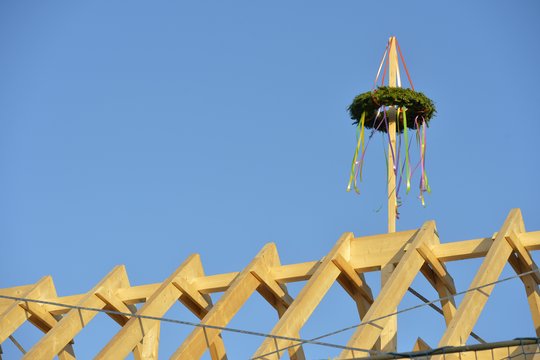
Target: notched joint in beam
{"x":354,"y":279}
{"x":523,"y":256}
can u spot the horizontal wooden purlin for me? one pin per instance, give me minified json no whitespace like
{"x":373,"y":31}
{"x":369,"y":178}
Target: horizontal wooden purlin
{"x":294,"y":272}
{"x":15,"y":291}
{"x":467,"y":249}
{"x":214,"y":283}
{"x":475,"y":248}
{"x":137,"y":294}
{"x":369,"y":253}
{"x":68,"y":300}
{"x":530,"y":240}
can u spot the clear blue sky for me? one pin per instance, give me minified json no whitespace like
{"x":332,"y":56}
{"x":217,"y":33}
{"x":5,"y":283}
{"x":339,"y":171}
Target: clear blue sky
{"x":140,"y":132}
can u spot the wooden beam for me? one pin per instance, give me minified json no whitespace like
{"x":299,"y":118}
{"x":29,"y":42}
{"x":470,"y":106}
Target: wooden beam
{"x":473,"y":302}
{"x":370,"y":253}
{"x":198,"y":303}
{"x":421,"y":345}
{"x":294,"y":272}
{"x":296,"y":352}
{"x":387,"y":341}
{"x":439,"y":278}
{"x":14,"y":315}
{"x":214,"y":283}
{"x":134,"y":331}
{"x":461,"y":250}
{"x":113,"y":303}
{"x":388,"y":337}
{"x":531,"y":240}
{"x":392,"y":292}
{"x":308,"y":298}
{"x":393,"y":78}
{"x":136,"y":294}
{"x":75,"y":320}
{"x":148,"y":348}
{"x":357,"y":282}
{"x":223,"y":311}
{"x":523,"y":256}
{"x":531,"y":289}
{"x":277,"y":295}
{"x":475,"y":248}
{"x":438,"y":267}
{"x":44,"y":321}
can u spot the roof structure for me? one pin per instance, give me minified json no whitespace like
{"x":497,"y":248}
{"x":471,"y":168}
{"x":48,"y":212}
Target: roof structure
{"x":411,"y":253}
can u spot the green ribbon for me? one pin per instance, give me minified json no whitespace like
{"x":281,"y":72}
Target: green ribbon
{"x":359,"y":144}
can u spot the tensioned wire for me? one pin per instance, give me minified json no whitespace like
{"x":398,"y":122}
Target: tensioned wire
{"x":189,"y":323}
{"x":402,"y":311}
{"x":299,"y":341}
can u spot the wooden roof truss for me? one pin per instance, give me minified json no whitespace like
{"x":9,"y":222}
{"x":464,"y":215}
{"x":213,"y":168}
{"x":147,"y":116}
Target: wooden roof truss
{"x":407,"y":252}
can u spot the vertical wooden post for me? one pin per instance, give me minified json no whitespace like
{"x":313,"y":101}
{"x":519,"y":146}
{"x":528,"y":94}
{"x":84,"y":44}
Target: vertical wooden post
{"x":388,"y":340}
{"x":392,"y":82}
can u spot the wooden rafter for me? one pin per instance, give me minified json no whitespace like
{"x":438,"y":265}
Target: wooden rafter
{"x":133,"y":332}
{"x":392,"y":292}
{"x":308,"y":298}
{"x":239,"y":291}
{"x":470,"y":308}
{"x":75,"y":320}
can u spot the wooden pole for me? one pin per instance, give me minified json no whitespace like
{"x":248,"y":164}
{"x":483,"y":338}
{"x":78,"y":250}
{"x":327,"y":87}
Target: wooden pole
{"x":388,"y":338}
{"x":392,"y":82}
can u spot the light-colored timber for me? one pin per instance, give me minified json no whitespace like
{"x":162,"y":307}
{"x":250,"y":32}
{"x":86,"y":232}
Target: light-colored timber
{"x":412,"y":253}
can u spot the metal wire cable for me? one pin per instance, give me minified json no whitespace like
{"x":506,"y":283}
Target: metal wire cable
{"x":403,"y":311}
{"x":189,"y":323}
{"x":440,"y":311}
{"x":299,"y":341}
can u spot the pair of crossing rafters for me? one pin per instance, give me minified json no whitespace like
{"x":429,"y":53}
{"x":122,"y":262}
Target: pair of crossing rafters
{"x":410,"y":252}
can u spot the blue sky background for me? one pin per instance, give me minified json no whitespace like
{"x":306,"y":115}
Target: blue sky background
{"x":140,"y":132}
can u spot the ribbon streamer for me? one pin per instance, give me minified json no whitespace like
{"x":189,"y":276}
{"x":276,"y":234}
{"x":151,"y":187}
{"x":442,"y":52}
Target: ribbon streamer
{"x":356,"y":167}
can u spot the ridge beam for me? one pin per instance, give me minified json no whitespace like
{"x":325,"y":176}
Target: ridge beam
{"x":471,"y":306}
{"x":392,"y":292}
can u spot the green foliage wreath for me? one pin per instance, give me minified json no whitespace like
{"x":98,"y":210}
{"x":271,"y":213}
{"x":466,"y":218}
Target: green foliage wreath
{"x":418,"y":106}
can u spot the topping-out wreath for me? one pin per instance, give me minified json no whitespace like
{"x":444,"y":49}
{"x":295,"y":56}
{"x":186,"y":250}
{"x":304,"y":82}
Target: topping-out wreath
{"x":419,"y":108}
